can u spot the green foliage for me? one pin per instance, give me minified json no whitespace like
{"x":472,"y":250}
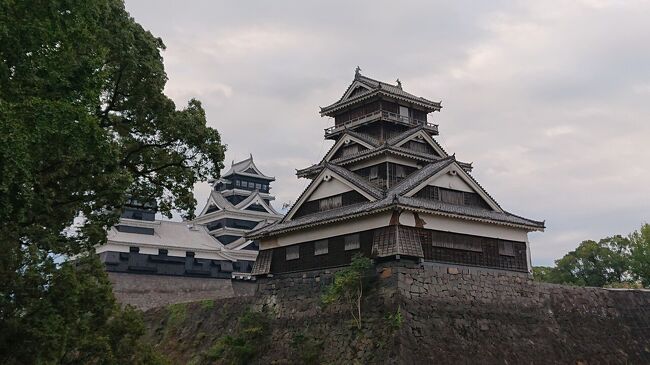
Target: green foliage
{"x":640,"y":254}
{"x":84,"y":125}
{"x":177,"y":313}
{"x":395,"y":320}
{"x":347,"y":288}
{"x":617,"y":262}
{"x":207,"y":304}
{"x":306,"y":348}
{"x":243,"y":346}
{"x":77,"y":321}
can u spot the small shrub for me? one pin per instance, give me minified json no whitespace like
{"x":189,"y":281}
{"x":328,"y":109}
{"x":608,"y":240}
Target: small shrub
{"x":176,"y":313}
{"x":307,"y":348}
{"x":347,"y":288}
{"x":207,"y":304}
{"x":245,"y":344}
{"x":395,"y":320}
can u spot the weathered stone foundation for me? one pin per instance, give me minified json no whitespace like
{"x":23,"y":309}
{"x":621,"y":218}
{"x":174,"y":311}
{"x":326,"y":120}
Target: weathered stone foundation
{"x":150,"y":291}
{"x":449,"y":315}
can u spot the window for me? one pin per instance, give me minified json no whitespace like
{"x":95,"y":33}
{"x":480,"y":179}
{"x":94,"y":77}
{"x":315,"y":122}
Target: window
{"x":330,"y":203}
{"x":237,"y":183}
{"x":352,"y":242}
{"x":452,"y":196}
{"x":403,"y":111}
{"x":258,"y":186}
{"x":265,"y":187}
{"x":419,"y":147}
{"x":456,"y":241}
{"x":134,"y":249}
{"x":162,"y":252}
{"x":374,"y":172}
{"x":293,"y":253}
{"x":350,"y":150}
{"x":189,"y":254}
{"x":399,"y":171}
{"x":320,"y":247}
{"x":506,"y":248}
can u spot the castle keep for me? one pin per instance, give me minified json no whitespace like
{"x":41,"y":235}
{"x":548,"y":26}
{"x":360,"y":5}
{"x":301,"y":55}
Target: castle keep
{"x":388,"y":190}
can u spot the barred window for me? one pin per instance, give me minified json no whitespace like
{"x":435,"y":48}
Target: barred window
{"x":374,"y":172}
{"x":399,"y":171}
{"x":330,"y":203}
{"x":293,"y":253}
{"x":352,"y":242}
{"x":456,"y":242}
{"x":320,"y":247}
{"x":162,"y":252}
{"x":506,"y":248}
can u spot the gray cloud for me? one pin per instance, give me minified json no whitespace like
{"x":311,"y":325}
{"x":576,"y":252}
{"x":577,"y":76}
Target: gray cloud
{"x":548,"y":99}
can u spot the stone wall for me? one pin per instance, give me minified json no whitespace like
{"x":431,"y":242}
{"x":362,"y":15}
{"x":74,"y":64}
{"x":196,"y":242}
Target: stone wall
{"x":449,"y":314}
{"x":457,"y":314}
{"x":150,"y":291}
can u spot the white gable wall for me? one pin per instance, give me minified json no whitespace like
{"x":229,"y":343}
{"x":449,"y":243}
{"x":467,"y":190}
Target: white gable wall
{"x":452,"y":182}
{"x":329,"y":188}
{"x":464,"y":226}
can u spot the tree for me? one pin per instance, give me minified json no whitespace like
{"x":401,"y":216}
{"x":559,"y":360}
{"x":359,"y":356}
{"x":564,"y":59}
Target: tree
{"x":347,"y":288}
{"x":640,"y":254}
{"x":591,"y":264}
{"x":84,"y":124}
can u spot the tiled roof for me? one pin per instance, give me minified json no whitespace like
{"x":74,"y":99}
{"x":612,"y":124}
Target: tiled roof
{"x":263,"y":263}
{"x":422,"y":174}
{"x":355,"y":179}
{"x":467,"y":211}
{"x":397,"y":240}
{"x":328,"y":216}
{"x":364,"y":137}
{"x":241,"y":167}
{"x":377,"y":87}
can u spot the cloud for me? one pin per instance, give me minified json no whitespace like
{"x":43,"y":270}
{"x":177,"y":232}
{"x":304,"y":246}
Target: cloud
{"x":548,"y":99}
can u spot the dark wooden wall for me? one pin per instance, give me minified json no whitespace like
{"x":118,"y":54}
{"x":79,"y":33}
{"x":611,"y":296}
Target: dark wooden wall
{"x":438,"y":246}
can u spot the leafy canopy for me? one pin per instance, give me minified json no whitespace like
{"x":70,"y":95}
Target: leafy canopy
{"x":612,"y":261}
{"x":84,"y":124}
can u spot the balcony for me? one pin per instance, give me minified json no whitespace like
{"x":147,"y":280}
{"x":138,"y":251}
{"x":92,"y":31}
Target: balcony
{"x":379,"y":115}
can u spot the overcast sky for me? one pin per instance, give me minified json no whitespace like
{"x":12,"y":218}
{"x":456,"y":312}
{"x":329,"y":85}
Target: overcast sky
{"x":549,"y":99}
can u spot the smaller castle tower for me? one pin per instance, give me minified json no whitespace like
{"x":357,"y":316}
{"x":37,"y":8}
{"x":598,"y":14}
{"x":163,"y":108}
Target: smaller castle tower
{"x":239,"y":202}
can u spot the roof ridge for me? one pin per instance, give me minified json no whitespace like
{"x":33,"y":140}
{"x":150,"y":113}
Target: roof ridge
{"x":357,"y":180}
{"x":420,"y":175}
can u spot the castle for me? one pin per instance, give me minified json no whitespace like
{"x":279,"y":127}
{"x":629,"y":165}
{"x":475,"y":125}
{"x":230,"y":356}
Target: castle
{"x":388,"y":190}
{"x":212,"y":246}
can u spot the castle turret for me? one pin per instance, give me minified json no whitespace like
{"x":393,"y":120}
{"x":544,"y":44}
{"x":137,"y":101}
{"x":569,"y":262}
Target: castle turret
{"x":240,"y":201}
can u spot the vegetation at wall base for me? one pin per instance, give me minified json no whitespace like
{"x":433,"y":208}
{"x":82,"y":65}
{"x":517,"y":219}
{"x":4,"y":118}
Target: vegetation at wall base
{"x":614,"y":262}
{"x":84,"y":125}
{"x":348,"y":286}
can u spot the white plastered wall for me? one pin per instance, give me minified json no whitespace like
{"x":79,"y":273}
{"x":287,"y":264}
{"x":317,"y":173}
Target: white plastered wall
{"x":452,"y":182}
{"x":463,"y":226}
{"x":329,"y":188}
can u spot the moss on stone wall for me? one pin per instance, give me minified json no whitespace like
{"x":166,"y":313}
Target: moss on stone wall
{"x":412,"y":314}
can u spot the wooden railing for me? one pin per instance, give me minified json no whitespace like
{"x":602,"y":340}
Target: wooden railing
{"x":379,"y":114}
